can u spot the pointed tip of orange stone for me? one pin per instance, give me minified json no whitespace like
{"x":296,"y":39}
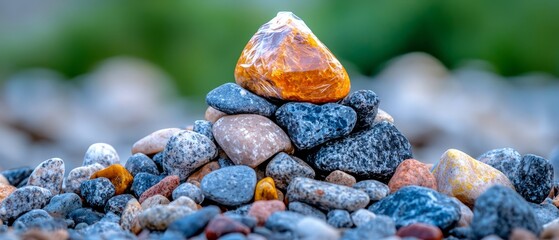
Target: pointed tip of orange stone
{"x":285,"y":60}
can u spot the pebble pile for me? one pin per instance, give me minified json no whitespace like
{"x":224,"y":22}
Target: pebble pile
{"x":261,"y":166}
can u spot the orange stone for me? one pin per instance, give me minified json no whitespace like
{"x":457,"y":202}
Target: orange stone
{"x":266,"y":190}
{"x":5,"y":191}
{"x":118,"y":175}
{"x":285,"y":60}
{"x":412,"y":172}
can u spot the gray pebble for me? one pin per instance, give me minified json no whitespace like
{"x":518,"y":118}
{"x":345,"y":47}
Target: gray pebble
{"x":306,"y":210}
{"x":313,"y":228}
{"x":284,"y":221}
{"x":110,"y":217}
{"x":161,"y":216}
{"x":204,"y":127}
{"x":117,"y":204}
{"x":189,"y":190}
{"x":378,"y":228}
{"x":144,"y":181}
{"x":185,"y":202}
{"x":139,"y":162}
{"x":233,"y":236}
{"x":246,"y":220}
{"x":85,"y":215}
{"x":326,"y":195}
{"x":506,"y":160}
{"x":193,"y":224}
{"x":375,"y":189}
{"x":101,"y":153}
{"x":534,"y":178}
{"x":154,"y":200}
{"x":81,"y":226}
{"x":230,"y":186}
{"x":230,"y":98}
{"x":32,"y":218}
{"x":371,"y":154}
{"x":23,"y":200}
{"x":283,"y":168}
{"x":362,"y":216}
{"x":96,"y":192}
{"x":309,"y":125}
{"x":100,"y":228}
{"x":49,"y":174}
{"x":545,"y":212}
{"x":75,"y":178}
{"x":16,"y":175}
{"x":185,"y":152}
{"x":242,"y":210}
{"x":61,"y":205}
{"x":339,"y":218}
{"x":365,"y":103}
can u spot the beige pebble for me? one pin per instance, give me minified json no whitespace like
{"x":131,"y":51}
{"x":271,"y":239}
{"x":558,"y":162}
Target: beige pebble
{"x":154,"y":142}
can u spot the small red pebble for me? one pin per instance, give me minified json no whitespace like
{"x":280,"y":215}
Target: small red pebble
{"x":221,"y":225}
{"x":165,"y":187}
{"x":421,"y":231}
{"x":261,"y":210}
{"x":412,"y":172}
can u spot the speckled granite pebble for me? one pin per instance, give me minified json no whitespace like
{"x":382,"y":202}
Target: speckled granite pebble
{"x":159,"y":217}
{"x":412,"y":204}
{"x":101,"y":153}
{"x":85,"y":215}
{"x":373,"y":154}
{"x":117,"y":203}
{"x":306,"y":210}
{"x":309,"y":125}
{"x":506,"y":160}
{"x":283,"y":168}
{"x":339,"y":218}
{"x":154,"y":142}
{"x":110,"y":217}
{"x":204,"y":127}
{"x":230,"y":98}
{"x":340,"y":178}
{"x":61,"y":205}
{"x":155,"y":200}
{"x":544,"y":212}
{"x":143,"y":181}
{"x":534,"y":178}
{"x":362,"y":216}
{"x":194,"y":223}
{"x":499,"y":210}
{"x":365,"y":103}
{"x":378,"y":228}
{"x":138,"y":163}
{"x":23,"y":200}
{"x":16,"y":175}
{"x":326,"y":195}
{"x":78,"y":175}
{"x":189,"y":190}
{"x":250,"y":139}
{"x":97,"y":192}
{"x":49,"y":174}
{"x":128,"y":220}
{"x":230,"y":186}
{"x":165,"y":188}
{"x":375,"y":189}
{"x":185,"y":152}
{"x":118,"y":175}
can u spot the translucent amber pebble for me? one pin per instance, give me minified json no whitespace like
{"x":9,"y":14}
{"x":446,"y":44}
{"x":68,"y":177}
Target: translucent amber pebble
{"x":118,"y":175}
{"x":266,"y":190}
{"x":285,"y":60}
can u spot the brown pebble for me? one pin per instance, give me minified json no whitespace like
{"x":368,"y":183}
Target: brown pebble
{"x":5,"y":191}
{"x":154,"y":201}
{"x":197,"y":176}
{"x":341,"y":178}
{"x":421,"y":231}
{"x":221,"y":225}
{"x":522,"y":234}
{"x":36,"y":234}
{"x":412,"y":172}
{"x":550,"y":232}
{"x":261,"y":210}
{"x":213,"y":114}
{"x":165,"y":188}
{"x":154,"y":142}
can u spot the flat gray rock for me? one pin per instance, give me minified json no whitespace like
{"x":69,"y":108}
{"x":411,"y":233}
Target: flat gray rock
{"x":326,"y":195}
{"x":231,"y":98}
{"x":230,"y":186}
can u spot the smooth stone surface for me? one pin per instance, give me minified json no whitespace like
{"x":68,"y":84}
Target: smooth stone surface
{"x":203,"y":127}
{"x":154,"y":142}
{"x":465,"y":178}
{"x":23,"y":200}
{"x":4,"y":180}
{"x":101,"y":153}
{"x":230,"y":186}
{"x":249,"y":221}
{"x":110,"y":217}
{"x":466,"y":214}
{"x":16,"y":175}
{"x":154,"y":200}
{"x":165,"y":188}
{"x":371,"y":154}
{"x":138,"y":163}
{"x":362,"y":216}
{"x":233,"y":236}
{"x":194,"y":223}
{"x":414,"y":204}
{"x":144,"y":181}
{"x":378,"y":228}
{"x":284,"y":222}
{"x":97,"y":192}
{"x":185,"y":202}
{"x":118,"y":175}
{"x":306,"y":210}
{"x":213,"y":114}
{"x":262,"y":210}
{"x":161,"y":216}
{"x":197,"y":176}
{"x":326,"y":195}
{"x":545,"y":212}
{"x":32,"y":218}
{"x":250,"y":139}
{"x":339,"y":218}
{"x":534,"y":178}
{"x":265,"y":190}
{"x":412,"y":172}
{"x":340,"y":178}
{"x":223,"y":225}
{"x":78,"y":175}
{"x":61,"y":205}
{"x":313,"y":228}
{"x":375,"y":189}
{"x":49,"y":174}
{"x":189,"y":190}
{"x":421,"y":231}
{"x":283,"y":168}
{"x":309,"y":125}
{"x":383,"y":116}
{"x":117,"y":203}
{"x":185,"y":152}
{"x":506,"y":160}
{"x":499,"y":210}
{"x":129,"y":219}
{"x":365,"y":103}
{"x":230,"y":98}
{"x":85,"y":215}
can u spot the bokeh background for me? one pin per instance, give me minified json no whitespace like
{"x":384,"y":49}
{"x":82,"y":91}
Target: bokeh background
{"x":471,"y":75}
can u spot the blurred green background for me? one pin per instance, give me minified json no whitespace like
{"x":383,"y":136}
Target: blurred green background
{"x":198,"y":42}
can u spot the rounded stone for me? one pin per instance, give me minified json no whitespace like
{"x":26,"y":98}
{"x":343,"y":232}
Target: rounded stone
{"x":306,"y":210}
{"x":365,"y":103}
{"x":223,"y":225}
{"x":375,"y":189}
{"x":138,"y":163}
{"x":78,"y":175}
{"x":165,"y":188}
{"x":155,"y":200}
{"x":154,"y":142}
{"x":534,"y":178}
{"x":383,"y":116}
{"x":143,"y":181}
{"x":117,"y":203}
{"x":189,"y":190}
{"x":283,"y":168}
{"x":16,"y":175}
{"x":309,"y":125}
{"x":262,"y":210}
{"x":313,"y":228}
{"x":185,"y":202}
{"x":61,"y":205}
{"x":414,"y":204}
{"x":23,"y":200}
{"x":33,"y":218}
{"x":193,"y":224}
{"x":213,"y":114}
{"x":370,"y":154}
{"x":326,"y":195}
{"x":230,"y":98}
{"x":97,"y":192}
{"x":381,"y":227}
{"x":5,"y":191}
{"x":85,"y":215}
{"x":362,"y":216}
{"x":129,"y":218}
{"x":101,"y":153}
{"x":265,"y":190}
{"x":118,"y":175}
{"x":412,"y":172}
{"x":197,"y":176}
{"x":340,"y":178}
{"x":49,"y":174}
{"x":185,"y":152}
{"x":161,"y":216}
{"x":420,"y":231}
{"x":339,"y":218}
{"x":203,"y":127}
{"x":230,"y":186}
{"x":506,"y":160}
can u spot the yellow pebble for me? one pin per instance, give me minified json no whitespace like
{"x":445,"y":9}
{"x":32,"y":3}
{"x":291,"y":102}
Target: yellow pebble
{"x":266,"y":190}
{"x":118,"y":175}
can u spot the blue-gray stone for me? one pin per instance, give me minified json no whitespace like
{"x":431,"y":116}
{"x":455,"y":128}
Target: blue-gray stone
{"x":230,"y":98}
{"x":117,"y":204}
{"x":100,"y":228}
{"x":306,"y":210}
{"x":283,"y":168}
{"x":378,"y":228}
{"x":534,"y":178}
{"x":545,"y":212}
{"x":225,"y":162}
{"x":138,"y":163}
{"x":189,"y":190}
{"x":85,"y":215}
{"x":96,"y":192}
{"x":362,"y":216}
{"x":23,"y":183}
{"x":16,"y":175}
{"x":143,"y":181}
{"x":230,"y":186}
{"x":365,"y":103}
{"x":242,"y":210}
{"x":415,"y":204}
{"x":499,"y":210}
{"x":554,"y":160}
{"x":326,"y":195}
{"x":371,"y":154}
{"x":339,"y":218}
{"x":32,"y":218}
{"x":506,"y":160}
{"x":246,"y":220}
{"x":233,"y":236}
{"x":309,"y":125}
{"x":110,"y":217}
{"x":185,"y":152}
{"x":285,"y":222}
{"x":375,"y":189}
{"x":23,"y":200}
{"x":61,"y":205}
{"x":204,"y":127}
{"x":158,"y":160}
{"x":194,"y":223}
